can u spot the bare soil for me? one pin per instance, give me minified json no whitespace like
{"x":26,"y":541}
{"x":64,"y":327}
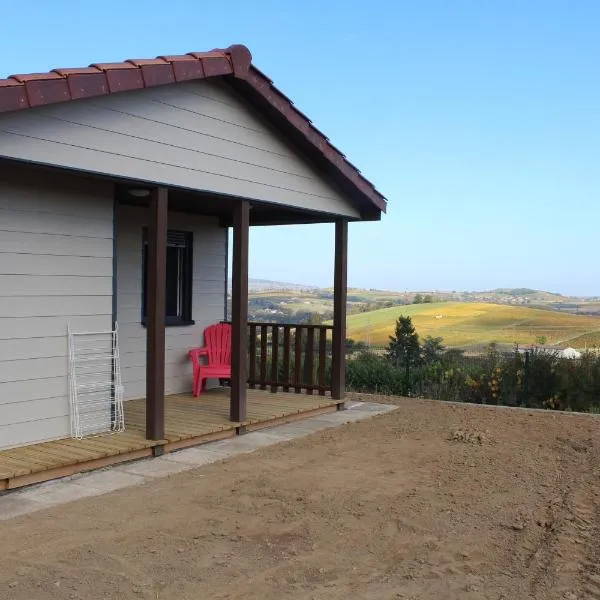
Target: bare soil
{"x":432,"y":501}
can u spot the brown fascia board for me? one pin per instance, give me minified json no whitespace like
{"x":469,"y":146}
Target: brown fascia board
{"x":18,"y":92}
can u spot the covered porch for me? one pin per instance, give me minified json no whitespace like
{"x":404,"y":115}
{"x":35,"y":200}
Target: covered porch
{"x":302,"y":358}
{"x":188,"y":421}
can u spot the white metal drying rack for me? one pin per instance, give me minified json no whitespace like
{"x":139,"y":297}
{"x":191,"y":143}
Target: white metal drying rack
{"x":95,"y":387}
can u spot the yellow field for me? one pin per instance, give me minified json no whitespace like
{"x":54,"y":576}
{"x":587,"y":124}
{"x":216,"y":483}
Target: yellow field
{"x":470,"y":324}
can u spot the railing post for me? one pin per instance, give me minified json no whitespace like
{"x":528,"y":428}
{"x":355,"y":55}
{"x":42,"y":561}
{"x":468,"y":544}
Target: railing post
{"x":274,"y":358}
{"x":298,"y":361}
{"x":286,"y":357}
{"x":322,"y":359}
{"x":263,"y":356}
{"x":309,"y":360}
{"x":252,"y":356}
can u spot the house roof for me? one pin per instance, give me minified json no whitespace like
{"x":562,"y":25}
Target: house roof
{"x":19,"y":92}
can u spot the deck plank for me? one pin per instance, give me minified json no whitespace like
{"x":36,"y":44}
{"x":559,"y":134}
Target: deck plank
{"x":188,"y":421}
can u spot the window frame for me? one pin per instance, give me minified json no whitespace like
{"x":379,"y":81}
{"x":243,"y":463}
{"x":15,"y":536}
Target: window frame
{"x":185,"y":283}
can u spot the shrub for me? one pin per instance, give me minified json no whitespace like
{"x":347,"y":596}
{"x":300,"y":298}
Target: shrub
{"x":536,"y":379}
{"x":369,"y":372}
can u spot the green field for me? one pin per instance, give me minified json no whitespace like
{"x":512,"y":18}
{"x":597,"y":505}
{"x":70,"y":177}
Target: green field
{"x":474,"y":324}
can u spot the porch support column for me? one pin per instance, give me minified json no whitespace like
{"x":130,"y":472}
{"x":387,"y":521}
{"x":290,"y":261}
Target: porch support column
{"x":155,"y":314}
{"x":239,"y":311}
{"x":340,"y":293}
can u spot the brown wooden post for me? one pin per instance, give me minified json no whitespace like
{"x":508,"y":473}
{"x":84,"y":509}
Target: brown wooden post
{"x":274,"y":358}
{"x":298,"y":360}
{"x":340,"y":292}
{"x":322,"y":359}
{"x":239,"y":311}
{"x":155,"y":314}
{"x":252,"y":355}
{"x":286,"y":357}
{"x":309,"y":360}
{"x":264,"y":330}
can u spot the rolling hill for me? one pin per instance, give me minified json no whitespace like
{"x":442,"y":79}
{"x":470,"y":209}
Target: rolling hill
{"x":475,"y":324}
{"x":265,"y":285}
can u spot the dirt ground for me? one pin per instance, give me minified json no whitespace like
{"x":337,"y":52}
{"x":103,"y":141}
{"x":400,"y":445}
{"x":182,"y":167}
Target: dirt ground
{"x":432,"y":501}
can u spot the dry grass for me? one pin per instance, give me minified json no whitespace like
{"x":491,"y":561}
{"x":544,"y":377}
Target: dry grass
{"x":466,"y":324}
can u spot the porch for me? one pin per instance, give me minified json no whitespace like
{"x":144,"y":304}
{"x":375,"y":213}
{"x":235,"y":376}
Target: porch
{"x":189,"y":421}
{"x":306,"y":350}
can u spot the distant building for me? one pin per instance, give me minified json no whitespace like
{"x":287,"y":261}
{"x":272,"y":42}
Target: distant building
{"x":558,"y":352}
{"x":569,"y":353}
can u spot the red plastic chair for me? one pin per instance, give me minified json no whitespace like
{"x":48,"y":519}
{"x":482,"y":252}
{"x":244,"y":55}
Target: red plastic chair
{"x":217,"y":350}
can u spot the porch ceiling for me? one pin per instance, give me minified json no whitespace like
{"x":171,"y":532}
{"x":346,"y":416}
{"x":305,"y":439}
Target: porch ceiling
{"x":195,"y":202}
{"x":261,"y":213}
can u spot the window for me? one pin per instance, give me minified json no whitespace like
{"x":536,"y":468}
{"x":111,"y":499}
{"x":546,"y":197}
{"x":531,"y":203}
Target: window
{"x":179,"y":277}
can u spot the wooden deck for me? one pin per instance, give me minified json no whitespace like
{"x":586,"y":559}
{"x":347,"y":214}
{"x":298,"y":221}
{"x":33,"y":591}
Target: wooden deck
{"x":189,"y":421}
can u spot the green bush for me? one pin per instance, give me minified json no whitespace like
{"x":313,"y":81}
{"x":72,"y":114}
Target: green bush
{"x":368,"y":372}
{"x":534,"y":379}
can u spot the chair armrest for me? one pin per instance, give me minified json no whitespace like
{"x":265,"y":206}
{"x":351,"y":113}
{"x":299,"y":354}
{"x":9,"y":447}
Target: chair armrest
{"x":199,"y":351}
{"x":196,"y":353}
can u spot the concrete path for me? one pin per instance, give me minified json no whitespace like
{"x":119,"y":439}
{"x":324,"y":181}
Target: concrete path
{"x":61,"y":491}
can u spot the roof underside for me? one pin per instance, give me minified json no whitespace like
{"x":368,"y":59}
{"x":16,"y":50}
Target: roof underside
{"x":233,"y":64}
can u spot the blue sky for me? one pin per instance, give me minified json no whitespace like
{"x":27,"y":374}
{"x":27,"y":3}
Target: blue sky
{"x":478,"y":120}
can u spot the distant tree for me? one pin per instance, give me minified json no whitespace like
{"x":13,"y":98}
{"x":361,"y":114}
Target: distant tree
{"x":418,"y":299}
{"x":492,"y":350}
{"x":453,"y":355}
{"x":403,"y":349}
{"x":353,"y":346}
{"x":428,"y":299}
{"x":541,"y":340}
{"x":308,"y":317}
{"x":314,"y":318}
{"x":432,"y":349}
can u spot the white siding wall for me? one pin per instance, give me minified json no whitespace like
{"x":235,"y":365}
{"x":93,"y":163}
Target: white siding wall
{"x":55,"y":267}
{"x":200,"y":135}
{"x":209,"y":264}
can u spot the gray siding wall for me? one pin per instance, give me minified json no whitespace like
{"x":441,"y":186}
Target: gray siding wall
{"x":209,"y":264}
{"x":198,"y":135}
{"x":56,"y":246}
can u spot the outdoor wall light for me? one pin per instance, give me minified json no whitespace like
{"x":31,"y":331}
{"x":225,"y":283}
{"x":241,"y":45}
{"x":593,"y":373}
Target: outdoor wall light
{"x":138,"y":193}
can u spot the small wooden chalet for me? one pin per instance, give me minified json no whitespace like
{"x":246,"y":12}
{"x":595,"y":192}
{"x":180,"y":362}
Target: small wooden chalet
{"x":119,"y":183}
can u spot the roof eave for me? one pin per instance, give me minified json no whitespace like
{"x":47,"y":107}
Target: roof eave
{"x":19,"y":92}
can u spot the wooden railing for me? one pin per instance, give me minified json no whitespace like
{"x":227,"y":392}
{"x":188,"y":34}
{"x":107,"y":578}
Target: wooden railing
{"x":289,"y":356}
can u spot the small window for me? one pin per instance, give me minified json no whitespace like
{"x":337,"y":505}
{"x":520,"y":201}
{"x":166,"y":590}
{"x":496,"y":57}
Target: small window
{"x":179,"y":277}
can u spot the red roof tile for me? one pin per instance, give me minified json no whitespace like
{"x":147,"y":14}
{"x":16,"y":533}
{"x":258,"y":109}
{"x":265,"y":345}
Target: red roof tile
{"x":27,"y":91}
